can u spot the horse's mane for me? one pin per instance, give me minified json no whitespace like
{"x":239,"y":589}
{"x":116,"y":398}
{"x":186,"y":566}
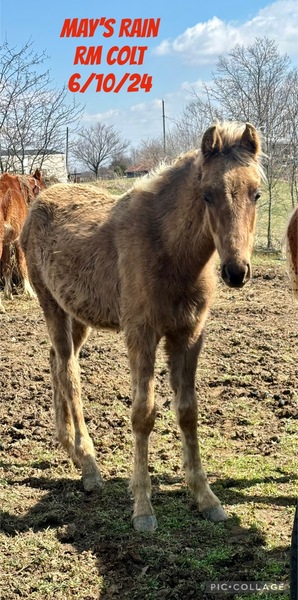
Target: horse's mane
{"x":162,"y":174}
{"x":230,"y":132}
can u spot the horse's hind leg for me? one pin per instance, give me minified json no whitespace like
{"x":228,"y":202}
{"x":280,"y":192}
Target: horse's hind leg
{"x":183,"y":355}
{"x":64,"y":421}
{"x":22,"y":267}
{"x":2,"y":309}
{"x":80,"y":332}
{"x":67,"y":335}
{"x":7,"y":272}
{"x":141,"y":344}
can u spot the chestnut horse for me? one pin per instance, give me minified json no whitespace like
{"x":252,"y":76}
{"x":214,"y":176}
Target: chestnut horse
{"x":31,"y":185}
{"x":16,"y":194}
{"x":292,"y":250}
{"x":144,"y":263}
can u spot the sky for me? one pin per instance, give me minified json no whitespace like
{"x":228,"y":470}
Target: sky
{"x":190,"y":36}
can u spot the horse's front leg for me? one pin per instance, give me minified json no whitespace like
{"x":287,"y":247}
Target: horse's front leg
{"x":183,"y":356}
{"x":141,"y":345}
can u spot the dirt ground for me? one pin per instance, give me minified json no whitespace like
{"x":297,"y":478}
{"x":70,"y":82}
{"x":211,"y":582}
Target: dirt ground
{"x":59,"y":543}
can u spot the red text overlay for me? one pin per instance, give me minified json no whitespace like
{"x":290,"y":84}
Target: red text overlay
{"x":121,"y":54}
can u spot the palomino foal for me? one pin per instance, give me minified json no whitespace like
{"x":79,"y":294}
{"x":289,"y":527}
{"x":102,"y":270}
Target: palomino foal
{"x":145,"y":264}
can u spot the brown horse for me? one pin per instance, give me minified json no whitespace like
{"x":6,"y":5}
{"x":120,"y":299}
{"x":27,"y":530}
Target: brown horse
{"x":292,"y":250}
{"x":16,"y":194}
{"x":145,"y":264}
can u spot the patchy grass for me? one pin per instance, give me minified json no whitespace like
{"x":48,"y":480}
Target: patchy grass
{"x":116,"y":186}
{"x":57,"y":542}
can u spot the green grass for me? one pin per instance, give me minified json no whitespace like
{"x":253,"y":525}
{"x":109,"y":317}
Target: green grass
{"x":57,"y":543}
{"x":281,"y":209}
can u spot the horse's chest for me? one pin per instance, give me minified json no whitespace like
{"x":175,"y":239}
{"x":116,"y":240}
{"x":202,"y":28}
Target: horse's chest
{"x":180,"y":311}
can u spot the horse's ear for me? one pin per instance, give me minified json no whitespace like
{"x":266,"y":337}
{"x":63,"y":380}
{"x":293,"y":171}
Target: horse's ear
{"x":37,"y":174}
{"x":211,"y":142}
{"x":250,"y":139}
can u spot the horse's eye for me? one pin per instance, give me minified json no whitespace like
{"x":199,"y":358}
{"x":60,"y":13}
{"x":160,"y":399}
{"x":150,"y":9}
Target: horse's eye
{"x":208,"y":198}
{"x":257,"y":195}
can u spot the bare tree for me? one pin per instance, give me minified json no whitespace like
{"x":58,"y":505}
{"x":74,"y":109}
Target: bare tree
{"x":195,"y":119}
{"x":292,"y":135}
{"x":250,"y":84}
{"x":98,"y":144}
{"x":33,"y":115}
{"x":150,"y":152}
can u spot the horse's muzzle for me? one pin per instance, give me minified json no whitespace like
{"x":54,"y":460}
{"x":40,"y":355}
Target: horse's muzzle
{"x":236,"y":276}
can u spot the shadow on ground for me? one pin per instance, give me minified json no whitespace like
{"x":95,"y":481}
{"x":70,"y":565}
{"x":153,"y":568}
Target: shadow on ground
{"x":174,"y":562}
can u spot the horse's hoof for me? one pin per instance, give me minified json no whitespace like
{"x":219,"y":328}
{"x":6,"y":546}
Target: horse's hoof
{"x":215,"y":514}
{"x":145,"y":523}
{"x":92,"y":482}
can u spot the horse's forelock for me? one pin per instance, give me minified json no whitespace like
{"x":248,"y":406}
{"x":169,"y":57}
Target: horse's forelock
{"x":231,"y":133}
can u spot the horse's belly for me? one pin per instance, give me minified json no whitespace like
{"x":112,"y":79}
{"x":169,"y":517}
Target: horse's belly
{"x":86,"y":286}
{"x":98,"y":308}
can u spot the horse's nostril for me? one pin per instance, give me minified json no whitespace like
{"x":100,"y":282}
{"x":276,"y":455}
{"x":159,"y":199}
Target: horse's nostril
{"x":235,"y":275}
{"x":225,"y":273}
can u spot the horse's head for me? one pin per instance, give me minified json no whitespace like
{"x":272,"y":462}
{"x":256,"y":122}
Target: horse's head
{"x":231,"y":179}
{"x":37,"y":182}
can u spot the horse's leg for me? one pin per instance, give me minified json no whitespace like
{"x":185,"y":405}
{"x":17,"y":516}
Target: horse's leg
{"x":7,"y":272}
{"x":64,"y":421}
{"x":2,"y":309}
{"x":141,"y":344}
{"x":22,"y":267}
{"x":183,"y":356}
{"x":66,"y":337}
{"x":80,"y":332}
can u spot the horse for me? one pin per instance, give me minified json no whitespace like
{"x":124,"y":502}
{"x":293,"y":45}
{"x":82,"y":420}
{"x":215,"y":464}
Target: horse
{"x":291,"y":244}
{"x":16,"y":193}
{"x":145,"y":264}
{"x":31,"y":185}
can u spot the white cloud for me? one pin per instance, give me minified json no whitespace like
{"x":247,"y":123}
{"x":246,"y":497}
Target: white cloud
{"x":146,"y":106}
{"x":138,"y":122}
{"x":103,"y":116}
{"x":202,"y":43}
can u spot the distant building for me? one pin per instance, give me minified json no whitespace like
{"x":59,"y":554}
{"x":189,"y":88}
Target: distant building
{"x":53,"y":164}
{"x":137,"y":171}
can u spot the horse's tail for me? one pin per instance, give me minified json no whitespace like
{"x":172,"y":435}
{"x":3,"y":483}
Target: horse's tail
{"x":5,"y":232}
{"x":291,"y":248}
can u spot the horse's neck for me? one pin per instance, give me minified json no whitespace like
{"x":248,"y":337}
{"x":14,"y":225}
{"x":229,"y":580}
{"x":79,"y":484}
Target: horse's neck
{"x":188,"y":237}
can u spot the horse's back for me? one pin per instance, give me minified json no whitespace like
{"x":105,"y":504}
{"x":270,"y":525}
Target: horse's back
{"x":69,"y":243}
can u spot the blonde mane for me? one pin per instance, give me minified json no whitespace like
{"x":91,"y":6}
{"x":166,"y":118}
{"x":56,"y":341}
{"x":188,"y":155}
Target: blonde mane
{"x":231,"y":134}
